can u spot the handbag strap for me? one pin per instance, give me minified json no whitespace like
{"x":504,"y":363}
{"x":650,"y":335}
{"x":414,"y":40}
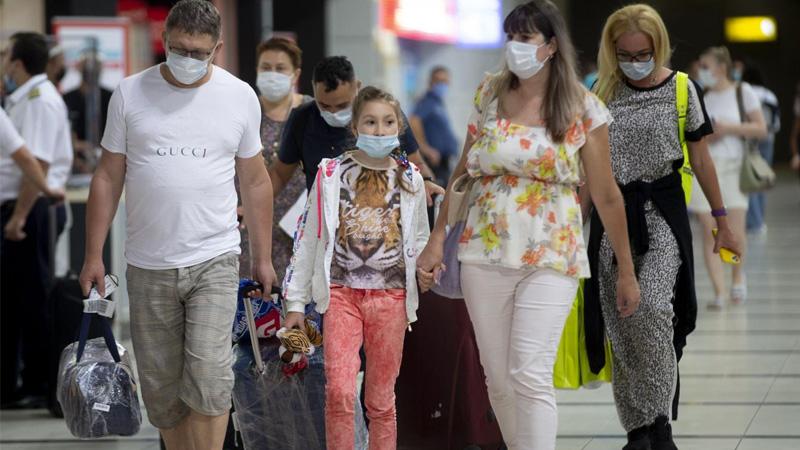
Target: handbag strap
{"x":740,"y":104}
{"x":748,"y":146}
{"x":108,"y":336}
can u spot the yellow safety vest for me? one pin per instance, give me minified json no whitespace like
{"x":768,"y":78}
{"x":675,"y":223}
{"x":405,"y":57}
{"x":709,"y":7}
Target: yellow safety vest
{"x":682,"y":102}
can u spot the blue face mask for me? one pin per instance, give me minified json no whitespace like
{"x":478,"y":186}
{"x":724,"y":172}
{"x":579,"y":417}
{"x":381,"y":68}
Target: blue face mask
{"x":9,"y":84}
{"x":440,"y":89}
{"x":377,"y":146}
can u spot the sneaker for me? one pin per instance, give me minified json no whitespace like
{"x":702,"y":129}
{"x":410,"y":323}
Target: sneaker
{"x":739,"y":293}
{"x":661,"y":435}
{"x":638,"y":439}
{"x":716,"y":304}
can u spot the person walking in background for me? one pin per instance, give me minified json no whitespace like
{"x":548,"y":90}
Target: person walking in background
{"x":724,"y":99}
{"x":432,"y":128}
{"x":752,"y":75}
{"x":79,"y":104}
{"x":278,"y":73}
{"x":646,"y":157}
{"x":176,"y":135}
{"x":38,"y":113}
{"x":533,"y":128}
{"x":356,"y":257}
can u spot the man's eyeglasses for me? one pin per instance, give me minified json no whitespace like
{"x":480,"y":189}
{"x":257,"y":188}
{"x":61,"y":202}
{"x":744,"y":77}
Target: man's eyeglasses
{"x":639,"y":57}
{"x":194,"y":54}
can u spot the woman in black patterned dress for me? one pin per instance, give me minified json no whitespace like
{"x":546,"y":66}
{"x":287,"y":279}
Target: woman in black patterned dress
{"x":646,"y":157}
{"x":278,"y":69}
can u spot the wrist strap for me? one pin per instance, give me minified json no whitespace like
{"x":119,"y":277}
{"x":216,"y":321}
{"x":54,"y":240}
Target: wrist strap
{"x":721,"y":212}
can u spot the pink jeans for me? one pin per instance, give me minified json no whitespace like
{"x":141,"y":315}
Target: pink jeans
{"x":376,"y":319}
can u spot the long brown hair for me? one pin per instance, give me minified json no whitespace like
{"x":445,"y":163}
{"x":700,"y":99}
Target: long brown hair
{"x":564,"y":95}
{"x":373,"y":94}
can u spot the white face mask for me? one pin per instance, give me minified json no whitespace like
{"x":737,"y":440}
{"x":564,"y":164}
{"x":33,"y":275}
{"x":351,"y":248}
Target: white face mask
{"x":706,"y":78}
{"x":521,"y":59}
{"x":187,"y":70}
{"x":637,"y":70}
{"x":274,"y":85}
{"x":339,"y":119}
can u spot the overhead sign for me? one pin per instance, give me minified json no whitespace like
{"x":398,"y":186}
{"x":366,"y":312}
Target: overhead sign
{"x":751,"y":29}
{"x":461,"y":22}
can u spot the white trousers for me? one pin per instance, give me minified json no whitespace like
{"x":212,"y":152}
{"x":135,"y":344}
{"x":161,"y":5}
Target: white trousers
{"x":518,"y":316}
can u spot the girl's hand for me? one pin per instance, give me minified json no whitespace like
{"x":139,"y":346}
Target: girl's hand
{"x":725,"y":238}
{"x":295,"y":320}
{"x":628,"y":295}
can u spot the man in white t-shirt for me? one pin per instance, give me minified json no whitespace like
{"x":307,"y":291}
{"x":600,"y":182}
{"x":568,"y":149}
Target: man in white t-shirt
{"x":175,"y":136}
{"x":39,"y":114}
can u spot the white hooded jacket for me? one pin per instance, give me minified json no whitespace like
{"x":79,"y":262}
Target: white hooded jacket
{"x":308,"y":276}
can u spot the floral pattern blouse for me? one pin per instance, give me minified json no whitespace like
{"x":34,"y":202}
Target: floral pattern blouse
{"x":525,"y":210}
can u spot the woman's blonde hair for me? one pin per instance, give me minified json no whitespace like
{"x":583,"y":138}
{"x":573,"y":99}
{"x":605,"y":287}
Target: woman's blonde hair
{"x":632,"y":18}
{"x":722,"y":55}
{"x":564,"y":94}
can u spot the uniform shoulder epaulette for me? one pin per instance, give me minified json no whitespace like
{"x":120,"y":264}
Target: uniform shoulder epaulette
{"x":34,"y":93}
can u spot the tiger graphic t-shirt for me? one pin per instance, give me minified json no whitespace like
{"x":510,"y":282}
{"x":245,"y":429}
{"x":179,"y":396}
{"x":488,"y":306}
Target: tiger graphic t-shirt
{"x":368,"y":253}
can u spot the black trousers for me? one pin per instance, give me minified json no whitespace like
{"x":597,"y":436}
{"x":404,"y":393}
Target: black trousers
{"x":26,"y":276}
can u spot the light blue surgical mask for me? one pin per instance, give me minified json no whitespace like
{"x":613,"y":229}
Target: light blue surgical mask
{"x":339,"y":119}
{"x":637,"y":70}
{"x":377,"y":146}
{"x":440,"y":89}
{"x":187,"y":70}
{"x":736,"y":74}
{"x":9,"y":84}
{"x":706,"y":79}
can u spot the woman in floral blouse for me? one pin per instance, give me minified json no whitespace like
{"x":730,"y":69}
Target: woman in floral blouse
{"x":534,"y":127}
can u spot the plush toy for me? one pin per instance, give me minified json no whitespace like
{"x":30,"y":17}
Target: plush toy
{"x":297,"y":346}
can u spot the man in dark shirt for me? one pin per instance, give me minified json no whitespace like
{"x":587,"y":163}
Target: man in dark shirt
{"x":321,"y":129}
{"x":78,"y":105}
{"x":431,"y":125}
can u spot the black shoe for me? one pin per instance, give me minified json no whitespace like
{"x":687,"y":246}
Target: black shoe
{"x":661,"y":435}
{"x":638,"y":439}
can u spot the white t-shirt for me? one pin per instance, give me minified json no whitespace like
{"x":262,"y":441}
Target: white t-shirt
{"x":721,"y":106}
{"x":181,"y":146}
{"x":40,"y":116}
{"x":10,"y":140}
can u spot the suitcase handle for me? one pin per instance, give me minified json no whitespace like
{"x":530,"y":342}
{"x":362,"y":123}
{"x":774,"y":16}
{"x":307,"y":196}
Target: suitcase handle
{"x":246,"y":293}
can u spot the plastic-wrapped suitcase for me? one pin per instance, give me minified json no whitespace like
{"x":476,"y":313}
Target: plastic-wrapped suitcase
{"x":279,"y":412}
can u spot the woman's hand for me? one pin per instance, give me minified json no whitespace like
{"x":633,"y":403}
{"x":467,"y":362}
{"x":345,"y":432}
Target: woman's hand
{"x":725,"y":238}
{"x":433,"y":253}
{"x":628,"y":295}
{"x":425,"y":280}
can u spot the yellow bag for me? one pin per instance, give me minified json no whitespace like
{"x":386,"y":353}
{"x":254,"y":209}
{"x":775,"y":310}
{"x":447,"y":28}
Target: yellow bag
{"x":571,"y":369}
{"x":566,"y":371}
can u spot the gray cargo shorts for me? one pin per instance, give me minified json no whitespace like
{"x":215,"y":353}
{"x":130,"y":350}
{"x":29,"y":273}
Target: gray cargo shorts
{"x":181,"y":328}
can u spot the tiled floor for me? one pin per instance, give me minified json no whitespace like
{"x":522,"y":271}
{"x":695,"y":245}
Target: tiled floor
{"x":740,"y":375}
